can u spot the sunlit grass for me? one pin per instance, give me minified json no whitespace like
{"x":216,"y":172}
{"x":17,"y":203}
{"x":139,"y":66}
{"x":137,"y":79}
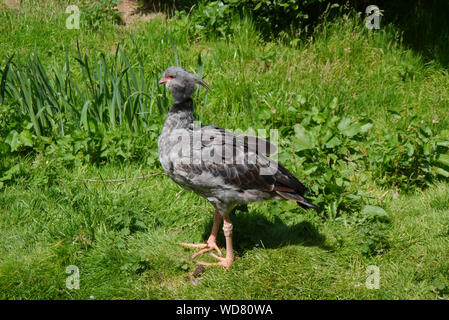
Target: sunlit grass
{"x":283,"y":253}
{"x":123,"y":235}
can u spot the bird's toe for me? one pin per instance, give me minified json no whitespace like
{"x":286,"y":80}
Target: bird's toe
{"x":213,"y":246}
{"x":224,"y":262}
{"x":205,"y":247}
{"x":193,"y":245}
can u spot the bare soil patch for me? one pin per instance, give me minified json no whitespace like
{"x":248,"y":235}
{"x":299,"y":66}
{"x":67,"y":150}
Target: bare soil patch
{"x":12,"y":4}
{"x":131,"y":12}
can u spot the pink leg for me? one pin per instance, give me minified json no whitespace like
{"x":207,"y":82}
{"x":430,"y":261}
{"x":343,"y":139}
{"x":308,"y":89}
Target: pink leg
{"x":211,"y":242}
{"x":225,"y":262}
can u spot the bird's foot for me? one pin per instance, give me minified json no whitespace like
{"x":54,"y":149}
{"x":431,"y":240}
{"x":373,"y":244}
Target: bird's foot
{"x":205,"y":247}
{"x":224,"y":262}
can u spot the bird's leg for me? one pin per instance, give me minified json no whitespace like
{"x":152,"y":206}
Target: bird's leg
{"x":211,"y":243}
{"x":225,"y":262}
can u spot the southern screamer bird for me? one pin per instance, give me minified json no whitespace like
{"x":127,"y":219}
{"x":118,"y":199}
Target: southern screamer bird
{"x":225,"y":168}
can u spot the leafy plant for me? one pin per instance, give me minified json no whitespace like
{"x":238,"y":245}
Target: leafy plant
{"x":108,"y":93}
{"x":327,"y":148}
{"x":208,"y":19}
{"x":95,"y":13}
{"x":75,"y":121}
{"x":441,"y":284}
{"x":270,"y":17}
{"x":128,"y":220}
{"x":331,"y":149}
{"x":410,"y":155}
{"x":374,"y":225}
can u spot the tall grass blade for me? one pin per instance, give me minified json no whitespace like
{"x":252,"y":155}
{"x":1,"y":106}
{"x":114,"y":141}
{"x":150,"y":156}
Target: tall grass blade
{"x":175,"y":52}
{"x":3,"y":81}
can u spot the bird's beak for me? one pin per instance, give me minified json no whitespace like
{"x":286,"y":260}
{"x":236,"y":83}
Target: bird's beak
{"x":204,"y":84}
{"x":165,"y":79}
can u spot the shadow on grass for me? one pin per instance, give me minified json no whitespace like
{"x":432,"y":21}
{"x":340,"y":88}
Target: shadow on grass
{"x":424,"y":25}
{"x":252,"y":229}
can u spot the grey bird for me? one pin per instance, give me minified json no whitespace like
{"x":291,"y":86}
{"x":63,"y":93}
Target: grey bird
{"x":225,"y":168}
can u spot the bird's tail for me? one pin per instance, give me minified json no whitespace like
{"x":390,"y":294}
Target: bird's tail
{"x":307,"y":205}
{"x":299,"y":199}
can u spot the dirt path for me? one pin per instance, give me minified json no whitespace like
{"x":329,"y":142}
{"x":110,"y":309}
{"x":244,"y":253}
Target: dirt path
{"x":130,"y":14}
{"x":128,"y":9}
{"x":13,"y":4}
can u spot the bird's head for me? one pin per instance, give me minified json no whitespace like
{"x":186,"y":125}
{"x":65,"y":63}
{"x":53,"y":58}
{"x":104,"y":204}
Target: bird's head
{"x":180,"y":82}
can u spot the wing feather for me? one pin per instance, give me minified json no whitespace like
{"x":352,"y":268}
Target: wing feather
{"x":237,"y":161}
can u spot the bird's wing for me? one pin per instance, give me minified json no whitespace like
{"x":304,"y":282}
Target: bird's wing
{"x":256,"y":144}
{"x":239,"y":161}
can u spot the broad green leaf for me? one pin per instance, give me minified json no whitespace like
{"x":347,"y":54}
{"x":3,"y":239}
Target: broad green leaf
{"x":410,"y":149}
{"x":443,"y":143}
{"x":6,"y":177}
{"x":334,"y":142}
{"x":364,"y":128}
{"x":427,"y":148}
{"x":440,"y":283}
{"x":265,"y":114}
{"x":443,"y":159}
{"x":324,"y":137}
{"x":84,"y":112}
{"x":334,"y":103}
{"x":13,"y":140}
{"x":11,"y":171}
{"x":339,"y":181}
{"x":426,"y":131}
{"x":292,"y":109}
{"x":304,"y":140}
{"x":351,"y":129}
{"x":374,"y":211}
{"x":26,"y":138}
{"x":441,"y":172}
{"x":344,"y":124}
{"x":310,"y":170}
{"x":140,"y":224}
{"x":300,"y":99}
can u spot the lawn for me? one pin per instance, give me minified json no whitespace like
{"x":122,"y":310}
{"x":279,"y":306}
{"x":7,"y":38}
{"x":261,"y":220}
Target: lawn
{"x":109,"y":212}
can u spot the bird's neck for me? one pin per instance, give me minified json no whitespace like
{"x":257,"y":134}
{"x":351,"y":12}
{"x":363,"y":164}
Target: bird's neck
{"x":181,"y":114}
{"x":182,"y":106}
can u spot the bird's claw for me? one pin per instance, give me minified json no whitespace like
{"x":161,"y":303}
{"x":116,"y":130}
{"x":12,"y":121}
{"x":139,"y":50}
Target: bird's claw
{"x":224,"y":262}
{"x":205,"y":247}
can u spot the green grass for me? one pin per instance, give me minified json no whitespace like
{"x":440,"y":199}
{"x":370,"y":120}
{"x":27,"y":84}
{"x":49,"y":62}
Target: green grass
{"x":123,"y":236}
{"x":283,"y":253}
